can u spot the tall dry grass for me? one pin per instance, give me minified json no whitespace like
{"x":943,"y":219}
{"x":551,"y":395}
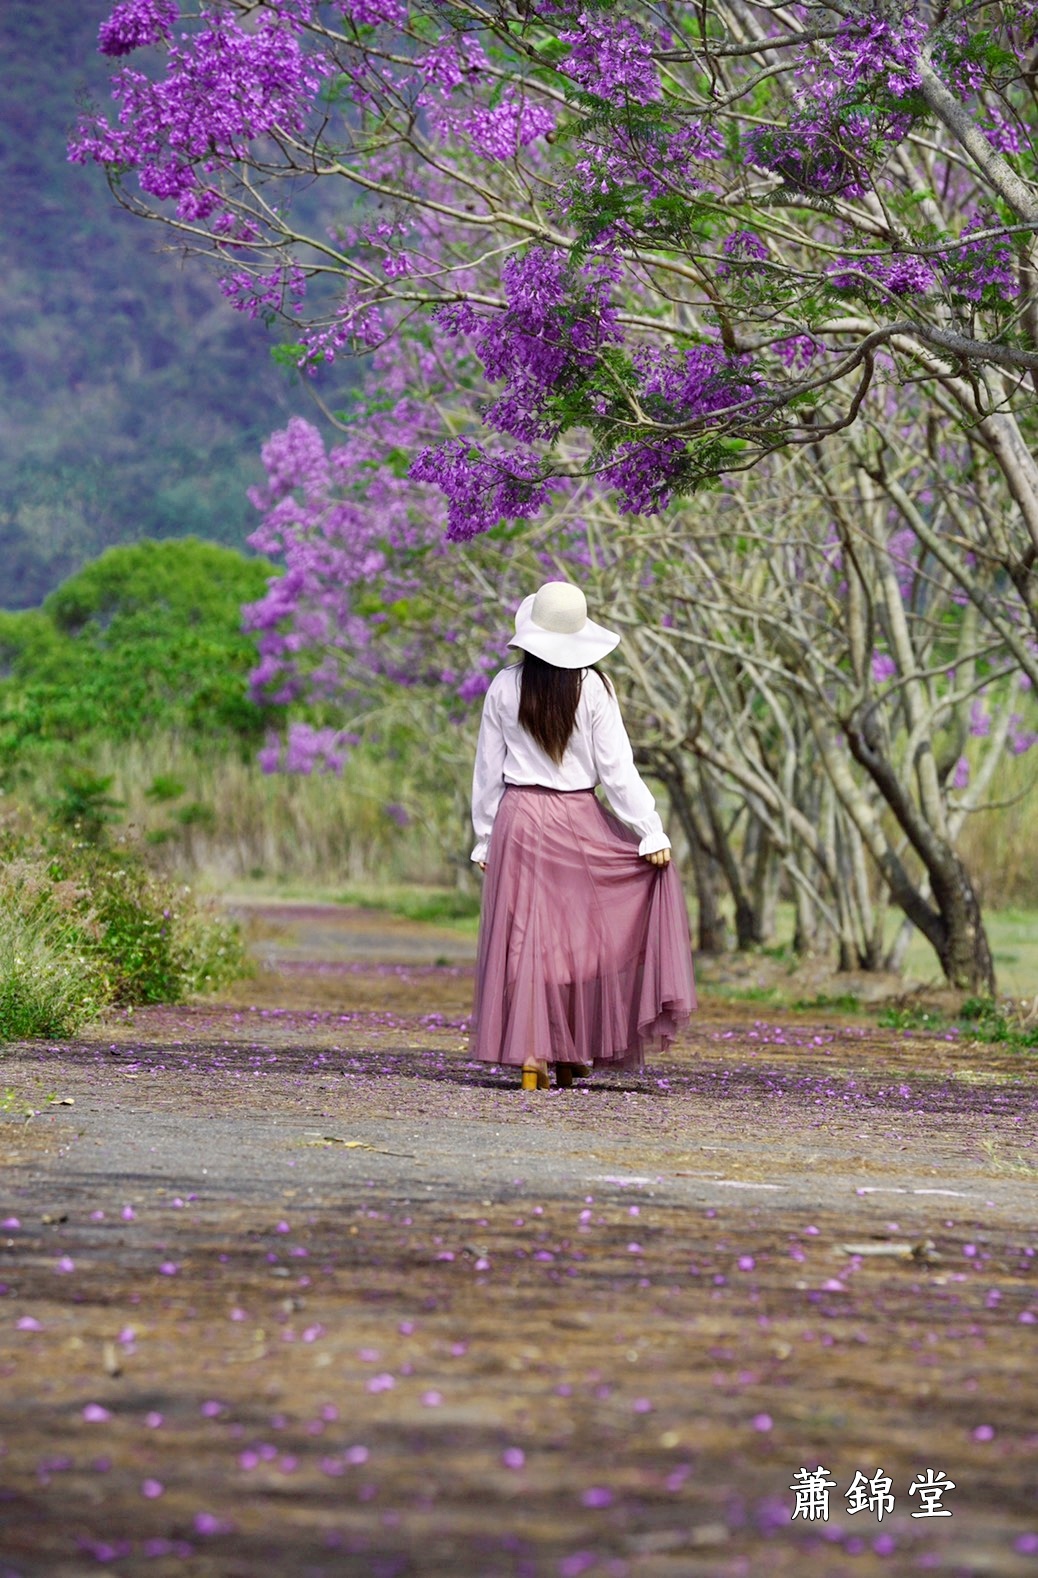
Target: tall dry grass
{"x":383,"y":823}
{"x":1000,"y":844}
{"x":375,"y":823}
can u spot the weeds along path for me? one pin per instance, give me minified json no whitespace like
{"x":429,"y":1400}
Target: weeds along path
{"x":293,"y":1288}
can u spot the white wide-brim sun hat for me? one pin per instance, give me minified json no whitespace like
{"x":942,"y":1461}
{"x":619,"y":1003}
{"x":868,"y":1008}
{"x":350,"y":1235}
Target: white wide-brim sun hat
{"x":552,"y":623}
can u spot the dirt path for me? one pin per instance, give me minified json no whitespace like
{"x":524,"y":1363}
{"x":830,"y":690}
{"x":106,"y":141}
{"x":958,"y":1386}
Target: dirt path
{"x":293,"y":1288}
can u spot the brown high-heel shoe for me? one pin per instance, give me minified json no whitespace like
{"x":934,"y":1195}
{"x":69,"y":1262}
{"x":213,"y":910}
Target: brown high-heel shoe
{"x":566,"y":1073}
{"x":535,"y":1076}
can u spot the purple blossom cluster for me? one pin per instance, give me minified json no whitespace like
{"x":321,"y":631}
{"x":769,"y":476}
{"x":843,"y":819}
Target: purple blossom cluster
{"x":695,"y":383}
{"x":499,"y":131}
{"x":879,"y":47}
{"x":345,"y":527}
{"x":134,"y":23}
{"x":373,"y":13}
{"x":361,"y":542}
{"x":1003,"y":134}
{"x":798,"y":351}
{"x":900,"y":275}
{"x":556,"y":322}
{"x":452,"y":61}
{"x":257,"y":294}
{"x":224,"y":87}
{"x":646,"y":169}
{"x":744,"y":246}
{"x":645,"y":475}
{"x":357,"y":324}
{"x":968,"y":270}
{"x":307,"y":750}
{"x":814,"y":155}
{"x":611,"y":58}
{"x":981,"y":264}
{"x":483,"y":489}
{"x":980,"y":721}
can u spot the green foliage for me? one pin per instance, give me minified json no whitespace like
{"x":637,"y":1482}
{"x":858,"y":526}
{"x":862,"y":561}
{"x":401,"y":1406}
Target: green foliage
{"x":84,"y":805}
{"x":845,"y":1002}
{"x":164,"y":787}
{"x":146,"y":637}
{"x":979,"y":1019}
{"x":433,"y":905}
{"x":84,"y":926}
{"x":914,"y":1017}
{"x":47,"y":986}
{"x":987,"y":1020}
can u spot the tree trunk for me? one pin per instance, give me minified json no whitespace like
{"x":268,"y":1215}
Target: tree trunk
{"x":764,"y":885}
{"x":711,"y":931}
{"x":954,"y":926}
{"x":745,"y":920}
{"x":965,"y":952}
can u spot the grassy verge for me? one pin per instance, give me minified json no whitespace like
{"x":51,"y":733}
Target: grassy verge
{"x":1012,"y":933}
{"x":449,"y":907}
{"x":978,"y":1019}
{"x":219,"y":821}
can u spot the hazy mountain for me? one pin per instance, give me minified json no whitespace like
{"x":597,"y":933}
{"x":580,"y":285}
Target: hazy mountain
{"x":132,"y":399}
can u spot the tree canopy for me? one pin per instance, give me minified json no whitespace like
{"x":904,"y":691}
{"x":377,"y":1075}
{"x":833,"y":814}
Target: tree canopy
{"x":683,"y":237}
{"x":145,"y":638}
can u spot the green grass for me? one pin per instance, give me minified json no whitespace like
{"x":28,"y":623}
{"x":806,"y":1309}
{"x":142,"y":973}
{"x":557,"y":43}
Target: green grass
{"x":47,"y":986}
{"x":1013,"y":935}
{"x":449,"y":907}
{"x":912,"y":1018}
{"x":845,"y":1002}
{"x":751,"y":994}
{"x":978,"y":1019}
{"x":84,"y":926}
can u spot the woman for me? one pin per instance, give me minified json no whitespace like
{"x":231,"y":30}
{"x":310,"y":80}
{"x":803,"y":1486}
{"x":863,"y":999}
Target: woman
{"x":584,"y":955}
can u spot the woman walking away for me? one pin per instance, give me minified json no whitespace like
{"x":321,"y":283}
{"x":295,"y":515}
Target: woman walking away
{"x":584,"y":956}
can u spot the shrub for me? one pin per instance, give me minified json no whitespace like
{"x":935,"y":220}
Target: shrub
{"x":48,"y":987}
{"x":1005,"y":1024}
{"x":83,"y":926}
{"x":146,"y":637}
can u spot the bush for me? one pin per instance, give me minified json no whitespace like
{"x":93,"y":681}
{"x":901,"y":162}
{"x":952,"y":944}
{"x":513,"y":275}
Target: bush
{"x":47,"y":986}
{"x":146,"y":637}
{"x":987,"y":1020}
{"x":84,"y":926}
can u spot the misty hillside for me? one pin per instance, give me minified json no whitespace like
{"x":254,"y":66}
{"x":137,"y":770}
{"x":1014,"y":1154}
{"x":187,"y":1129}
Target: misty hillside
{"x":132,"y":399}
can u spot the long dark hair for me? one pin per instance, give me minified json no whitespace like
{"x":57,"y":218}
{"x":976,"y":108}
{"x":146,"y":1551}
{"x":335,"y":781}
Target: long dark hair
{"x":548,"y":701}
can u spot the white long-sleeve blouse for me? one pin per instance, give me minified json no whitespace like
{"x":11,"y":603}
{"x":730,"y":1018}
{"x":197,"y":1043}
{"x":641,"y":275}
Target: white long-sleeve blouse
{"x":598,"y":752}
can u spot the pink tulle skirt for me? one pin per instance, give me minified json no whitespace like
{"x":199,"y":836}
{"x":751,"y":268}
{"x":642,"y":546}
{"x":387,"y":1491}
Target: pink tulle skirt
{"x":584,"y":953}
